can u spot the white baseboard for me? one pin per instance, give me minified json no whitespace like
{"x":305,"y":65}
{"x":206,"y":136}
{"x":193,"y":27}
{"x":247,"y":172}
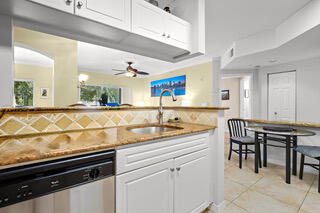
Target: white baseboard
{"x":218,"y":208}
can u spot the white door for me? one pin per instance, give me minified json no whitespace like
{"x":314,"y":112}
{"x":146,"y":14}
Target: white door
{"x":116,"y":13}
{"x":178,"y":32}
{"x":64,"y":5}
{"x":191,"y":194}
{"x":282,"y":97}
{"x":146,"y":190}
{"x":148,"y":20}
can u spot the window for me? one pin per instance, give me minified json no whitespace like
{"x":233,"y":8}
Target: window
{"x":23,"y":93}
{"x":92,"y":94}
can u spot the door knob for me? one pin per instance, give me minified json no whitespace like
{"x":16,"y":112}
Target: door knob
{"x":79,"y":4}
{"x":168,"y":36}
{"x":275,"y":113}
{"x":178,"y":169}
{"x":68,"y":2}
{"x":172,"y":169}
{"x":164,"y":34}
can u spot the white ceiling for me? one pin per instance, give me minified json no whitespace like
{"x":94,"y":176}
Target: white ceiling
{"x":23,"y":55}
{"x":230,"y":20}
{"x":93,"y":58}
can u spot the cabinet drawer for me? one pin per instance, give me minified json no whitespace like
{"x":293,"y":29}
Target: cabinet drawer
{"x":129,"y":159}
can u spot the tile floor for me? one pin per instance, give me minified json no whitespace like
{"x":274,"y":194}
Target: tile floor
{"x":267,"y":192}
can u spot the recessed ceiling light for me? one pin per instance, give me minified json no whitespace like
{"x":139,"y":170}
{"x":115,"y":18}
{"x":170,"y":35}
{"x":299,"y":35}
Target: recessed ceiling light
{"x":273,"y":61}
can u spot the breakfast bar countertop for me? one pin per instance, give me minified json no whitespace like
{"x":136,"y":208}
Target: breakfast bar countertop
{"x":18,"y":150}
{"x":296,"y":124}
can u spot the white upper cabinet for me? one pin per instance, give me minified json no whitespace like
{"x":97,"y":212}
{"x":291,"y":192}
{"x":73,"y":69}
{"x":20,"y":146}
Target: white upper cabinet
{"x":116,"y":13}
{"x":178,"y":32}
{"x":148,"y":20}
{"x":153,"y":22}
{"x":64,"y":5}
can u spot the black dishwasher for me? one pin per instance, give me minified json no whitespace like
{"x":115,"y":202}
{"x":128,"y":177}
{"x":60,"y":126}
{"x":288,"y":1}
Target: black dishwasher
{"x":32,"y":181}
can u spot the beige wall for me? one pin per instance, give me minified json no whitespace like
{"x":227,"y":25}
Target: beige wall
{"x":233,"y":85}
{"x":64,"y":52}
{"x":199,"y":87}
{"x":133,"y":88}
{"x":42,"y":77}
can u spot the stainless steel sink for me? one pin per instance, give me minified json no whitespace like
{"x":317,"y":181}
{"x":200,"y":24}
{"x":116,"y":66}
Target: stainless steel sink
{"x":153,"y":129}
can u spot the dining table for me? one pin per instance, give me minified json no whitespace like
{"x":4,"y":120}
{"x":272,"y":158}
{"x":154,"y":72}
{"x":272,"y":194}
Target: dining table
{"x":288,"y":138}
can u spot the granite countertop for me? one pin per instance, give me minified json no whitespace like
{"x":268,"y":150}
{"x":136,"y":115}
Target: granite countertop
{"x":297,"y":124}
{"x":55,"y":109}
{"x":15,"y":150}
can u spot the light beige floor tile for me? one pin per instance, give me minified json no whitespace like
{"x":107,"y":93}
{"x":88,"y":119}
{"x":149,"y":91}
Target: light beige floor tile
{"x":232,"y":208}
{"x":281,"y":191}
{"x":311,"y":204}
{"x":301,"y":211}
{"x":256,"y":202}
{"x":233,"y":189}
{"x":314,"y":187}
{"x":278,"y":173}
{"x":243,"y":176}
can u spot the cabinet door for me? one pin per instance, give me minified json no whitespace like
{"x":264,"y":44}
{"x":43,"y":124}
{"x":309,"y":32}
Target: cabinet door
{"x":64,"y":5}
{"x":148,"y":20}
{"x":115,"y":13}
{"x":146,"y":190}
{"x":191,"y":193}
{"x":178,"y":32}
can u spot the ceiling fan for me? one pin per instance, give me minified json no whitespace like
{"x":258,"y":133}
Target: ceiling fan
{"x":130,"y":71}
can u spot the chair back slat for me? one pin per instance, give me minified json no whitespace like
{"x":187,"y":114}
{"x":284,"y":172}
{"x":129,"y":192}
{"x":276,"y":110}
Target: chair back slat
{"x":237,"y":127}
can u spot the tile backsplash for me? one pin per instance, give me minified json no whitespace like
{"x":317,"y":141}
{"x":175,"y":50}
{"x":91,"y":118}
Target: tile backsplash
{"x":42,"y":122}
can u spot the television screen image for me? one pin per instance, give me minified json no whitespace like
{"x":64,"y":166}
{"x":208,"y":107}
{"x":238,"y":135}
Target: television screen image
{"x":176,"y":84}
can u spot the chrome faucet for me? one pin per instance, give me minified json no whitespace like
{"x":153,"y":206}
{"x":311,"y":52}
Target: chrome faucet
{"x":161,"y":107}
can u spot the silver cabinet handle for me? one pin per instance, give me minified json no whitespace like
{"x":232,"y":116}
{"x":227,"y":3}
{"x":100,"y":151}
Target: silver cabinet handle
{"x":178,"y":169}
{"x":79,"y":4}
{"x":172,"y":169}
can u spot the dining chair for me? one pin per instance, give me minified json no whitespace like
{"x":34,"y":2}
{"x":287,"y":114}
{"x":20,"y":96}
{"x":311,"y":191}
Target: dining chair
{"x":312,"y":152}
{"x":238,"y":135}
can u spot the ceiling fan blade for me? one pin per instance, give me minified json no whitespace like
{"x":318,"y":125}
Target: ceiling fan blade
{"x":120,"y":73}
{"x":142,"y":73}
{"x":118,"y":70}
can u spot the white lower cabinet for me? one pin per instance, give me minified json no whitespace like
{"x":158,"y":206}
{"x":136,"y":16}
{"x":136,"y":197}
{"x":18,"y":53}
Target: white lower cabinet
{"x":178,"y":185}
{"x":146,"y":190}
{"x":191,"y":193}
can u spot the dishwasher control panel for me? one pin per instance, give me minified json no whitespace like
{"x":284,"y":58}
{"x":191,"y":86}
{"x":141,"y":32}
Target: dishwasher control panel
{"x":46,"y":181}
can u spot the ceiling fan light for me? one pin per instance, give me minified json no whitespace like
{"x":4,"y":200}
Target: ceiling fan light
{"x":129,"y":74}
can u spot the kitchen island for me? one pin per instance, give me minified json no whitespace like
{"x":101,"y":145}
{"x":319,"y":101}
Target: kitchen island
{"x":184,"y":164}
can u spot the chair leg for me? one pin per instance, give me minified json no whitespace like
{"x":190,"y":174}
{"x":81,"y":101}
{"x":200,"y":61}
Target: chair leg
{"x":240,"y":156}
{"x":260,"y":162}
{"x":301,"y":167}
{"x":246,"y":152}
{"x":230,"y":151}
{"x":319,"y":178}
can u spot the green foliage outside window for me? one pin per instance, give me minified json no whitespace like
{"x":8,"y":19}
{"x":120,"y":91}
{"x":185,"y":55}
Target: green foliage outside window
{"x":91,"y":94}
{"x":23,"y":92}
